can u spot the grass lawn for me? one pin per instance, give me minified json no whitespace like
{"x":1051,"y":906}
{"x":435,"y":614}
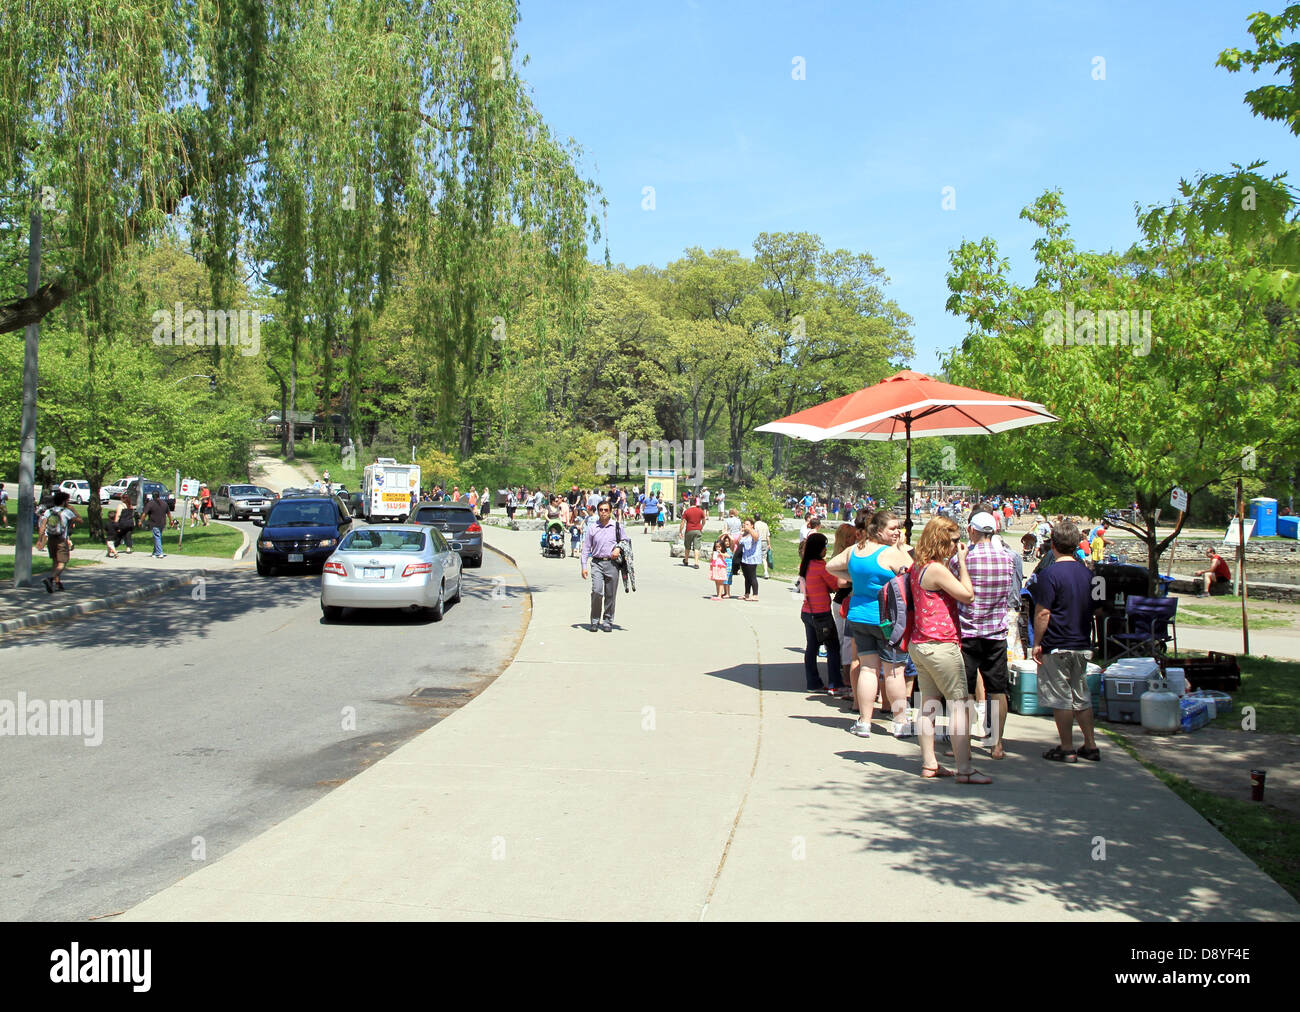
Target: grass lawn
{"x":1226,"y":612}
{"x":215,"y":540}
{"x":40,"y":565}
{"x":1267,"y":835}
{"x":785,"y":556}
{"x":1273,"y":689}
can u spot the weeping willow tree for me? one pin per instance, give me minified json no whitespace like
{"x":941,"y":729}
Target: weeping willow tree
{"x":337,"y":146}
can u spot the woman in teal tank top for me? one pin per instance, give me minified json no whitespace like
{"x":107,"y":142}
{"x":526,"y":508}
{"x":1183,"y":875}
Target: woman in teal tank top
{"x":870,"y":564}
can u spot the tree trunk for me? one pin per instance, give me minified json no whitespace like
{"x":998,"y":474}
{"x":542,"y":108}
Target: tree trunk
{"x":467,"y":434}
{"x":95,"y":474}
{"x":293,"y":399}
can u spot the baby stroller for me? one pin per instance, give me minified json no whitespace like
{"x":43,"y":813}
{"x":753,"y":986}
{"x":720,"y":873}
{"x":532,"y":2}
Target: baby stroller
{"x":553,"y":540}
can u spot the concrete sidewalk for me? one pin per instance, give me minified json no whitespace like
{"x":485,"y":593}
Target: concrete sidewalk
{"x":108,"y":584}
{"x":676,"y":770}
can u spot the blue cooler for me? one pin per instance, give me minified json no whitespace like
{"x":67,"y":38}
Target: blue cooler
{"x":1264,"y":513}
{"x":1288,"y":527}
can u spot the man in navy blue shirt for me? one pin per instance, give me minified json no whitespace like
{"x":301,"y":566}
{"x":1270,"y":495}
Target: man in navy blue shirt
{"x":1063,"y":614}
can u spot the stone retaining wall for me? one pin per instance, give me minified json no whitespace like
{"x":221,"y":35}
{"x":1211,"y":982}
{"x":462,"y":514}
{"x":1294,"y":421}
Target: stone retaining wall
{"x":1286,"y":592}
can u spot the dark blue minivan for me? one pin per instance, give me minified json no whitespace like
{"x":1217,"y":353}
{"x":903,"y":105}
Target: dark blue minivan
{"x":300,"y":532}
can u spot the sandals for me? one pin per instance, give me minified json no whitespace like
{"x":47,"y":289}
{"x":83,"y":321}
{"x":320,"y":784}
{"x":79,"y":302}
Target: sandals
{"x":1059,"y":755}
{"x":973,"y":777}
{"x":936,"y":773}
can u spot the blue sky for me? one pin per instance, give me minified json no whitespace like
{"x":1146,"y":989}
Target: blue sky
{"x":899,"y":100}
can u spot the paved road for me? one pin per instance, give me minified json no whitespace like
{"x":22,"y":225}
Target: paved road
{"x":221,"y":717}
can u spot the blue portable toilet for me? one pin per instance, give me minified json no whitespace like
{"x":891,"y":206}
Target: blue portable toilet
{"x":1264,"y":513}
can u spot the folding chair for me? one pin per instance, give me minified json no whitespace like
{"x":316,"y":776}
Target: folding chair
{"x":1147,"y":621}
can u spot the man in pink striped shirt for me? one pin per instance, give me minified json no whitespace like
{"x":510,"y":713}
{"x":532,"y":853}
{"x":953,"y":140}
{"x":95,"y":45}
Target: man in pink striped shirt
{"x":984,"y":621}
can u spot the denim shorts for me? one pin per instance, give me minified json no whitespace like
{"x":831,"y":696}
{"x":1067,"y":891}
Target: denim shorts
{"x":871,"y":639}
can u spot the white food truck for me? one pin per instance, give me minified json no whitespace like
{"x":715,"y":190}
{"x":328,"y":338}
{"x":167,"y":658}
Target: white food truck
{"x":386,"y":488}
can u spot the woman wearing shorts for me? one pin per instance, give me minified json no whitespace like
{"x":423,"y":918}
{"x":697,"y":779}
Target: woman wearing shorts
{"x":936,"y":645}
{"x":870,"y":564}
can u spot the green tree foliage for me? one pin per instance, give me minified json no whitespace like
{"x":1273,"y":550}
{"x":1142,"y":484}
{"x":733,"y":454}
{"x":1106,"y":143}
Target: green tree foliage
{"x":1210,"y":389}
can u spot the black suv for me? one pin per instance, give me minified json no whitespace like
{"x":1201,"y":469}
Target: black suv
{"x":300,"y":530}
{"x":151,"y":488}
{"x":458,"y":525}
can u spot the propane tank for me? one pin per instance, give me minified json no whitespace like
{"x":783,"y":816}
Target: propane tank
{"x":1160,"y":708}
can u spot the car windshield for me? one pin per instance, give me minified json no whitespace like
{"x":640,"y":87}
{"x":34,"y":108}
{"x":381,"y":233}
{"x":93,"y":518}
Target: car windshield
{"x":245,"y":490}
{"x":301,"y":514}
{"x":441,"y":514}
{"x":371,"y":540}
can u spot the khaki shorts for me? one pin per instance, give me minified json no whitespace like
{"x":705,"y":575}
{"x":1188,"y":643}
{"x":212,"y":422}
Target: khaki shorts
{"x":939,"y":670}
{"x":692,"y":540}
{"x":1063,"y":681}
{"x":58,"y":549}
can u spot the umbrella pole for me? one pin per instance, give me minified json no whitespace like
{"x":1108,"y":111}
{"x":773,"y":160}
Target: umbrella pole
{"x":907,"y":507}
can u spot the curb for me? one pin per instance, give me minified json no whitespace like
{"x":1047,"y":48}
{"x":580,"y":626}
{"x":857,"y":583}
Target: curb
{"x":94,"y":604}
{"x":242,"y":550}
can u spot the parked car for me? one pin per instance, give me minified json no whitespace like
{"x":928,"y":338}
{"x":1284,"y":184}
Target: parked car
{"x":116,"y":489}
{"x":78,"y":490}
{"x":267,"y":492}
{"x":239,"y":502}
{"x":300,"y":531}
{"x":150,"y":488}
{"x":391,"y":566}
{"x":457,"y":524}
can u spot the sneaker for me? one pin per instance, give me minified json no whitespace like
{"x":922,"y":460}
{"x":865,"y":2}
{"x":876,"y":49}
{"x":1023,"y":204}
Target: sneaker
{"x":607,"y":627}
{"x":862,"y":728}
{"x":902,"y":729}
{"x":49,"y":585}
{"x":594,"y":627}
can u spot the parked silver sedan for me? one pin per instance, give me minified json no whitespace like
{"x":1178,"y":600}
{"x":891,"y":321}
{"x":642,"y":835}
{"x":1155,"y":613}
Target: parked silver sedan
{"x":391,"y":566}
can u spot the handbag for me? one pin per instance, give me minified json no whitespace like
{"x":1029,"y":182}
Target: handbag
{"x":823,"y":626}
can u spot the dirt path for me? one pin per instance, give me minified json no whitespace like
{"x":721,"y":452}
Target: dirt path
{"x":1220,"y":761}
{"x":276,"y":475}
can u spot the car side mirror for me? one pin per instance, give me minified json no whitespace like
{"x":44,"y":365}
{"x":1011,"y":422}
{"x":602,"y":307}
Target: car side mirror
{"x":258,"y":522}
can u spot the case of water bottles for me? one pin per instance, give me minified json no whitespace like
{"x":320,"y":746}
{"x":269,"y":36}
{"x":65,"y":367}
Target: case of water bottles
{"x":1193,"y":713}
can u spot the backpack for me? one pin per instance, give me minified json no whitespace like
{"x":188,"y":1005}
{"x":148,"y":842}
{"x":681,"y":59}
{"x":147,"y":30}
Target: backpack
{"x":897,"y":610}
{"x":56,"y":524}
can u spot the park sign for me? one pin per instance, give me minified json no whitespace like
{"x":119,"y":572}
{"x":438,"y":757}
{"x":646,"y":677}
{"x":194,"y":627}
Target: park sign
{"x":1179,"y":500}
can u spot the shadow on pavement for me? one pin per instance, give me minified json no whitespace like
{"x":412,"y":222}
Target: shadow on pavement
{"x":226,"y":596}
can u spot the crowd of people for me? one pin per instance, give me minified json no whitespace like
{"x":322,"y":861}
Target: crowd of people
{"x":939,"y":616}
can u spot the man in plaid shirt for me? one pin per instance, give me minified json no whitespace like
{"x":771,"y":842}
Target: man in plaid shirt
{"x":984,"y":621}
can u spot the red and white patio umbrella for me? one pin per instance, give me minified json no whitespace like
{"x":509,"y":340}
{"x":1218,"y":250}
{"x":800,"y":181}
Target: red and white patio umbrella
{"x":911,"y":404}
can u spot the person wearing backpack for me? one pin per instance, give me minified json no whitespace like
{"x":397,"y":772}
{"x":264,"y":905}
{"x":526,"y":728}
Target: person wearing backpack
{"x":56,"y":533}
{"x":871,"y":563}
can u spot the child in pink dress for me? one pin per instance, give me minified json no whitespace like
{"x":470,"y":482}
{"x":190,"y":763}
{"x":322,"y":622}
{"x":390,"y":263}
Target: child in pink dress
{"x":718,"y":569}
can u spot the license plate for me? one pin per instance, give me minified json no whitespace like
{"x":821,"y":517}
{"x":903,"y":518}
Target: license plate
{"x":372,"y":574}
{"x":295,"y":556}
